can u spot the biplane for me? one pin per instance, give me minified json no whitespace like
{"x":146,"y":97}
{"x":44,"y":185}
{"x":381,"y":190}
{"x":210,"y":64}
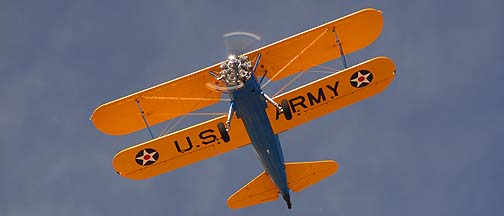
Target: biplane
{"x":253,"y":116}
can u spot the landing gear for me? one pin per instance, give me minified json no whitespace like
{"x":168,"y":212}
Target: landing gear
{"x":223,"y":131}
{"x":272,"y":102}
{"x":286,"y":109}
{"x":230,"y":116}
{"x":283,"y":107}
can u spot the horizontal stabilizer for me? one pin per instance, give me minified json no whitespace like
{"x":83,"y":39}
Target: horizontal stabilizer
{"x":300,"y":175}
{"x":303,"y":174}
{"x":257,"y":191}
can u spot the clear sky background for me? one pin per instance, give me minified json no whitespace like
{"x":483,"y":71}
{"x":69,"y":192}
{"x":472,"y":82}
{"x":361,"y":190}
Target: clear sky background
{"x":430,"y":144}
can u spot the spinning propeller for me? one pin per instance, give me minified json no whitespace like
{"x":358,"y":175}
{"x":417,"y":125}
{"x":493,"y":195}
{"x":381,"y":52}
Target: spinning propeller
{"x":236,"y":68}
{"x":239,"y":42}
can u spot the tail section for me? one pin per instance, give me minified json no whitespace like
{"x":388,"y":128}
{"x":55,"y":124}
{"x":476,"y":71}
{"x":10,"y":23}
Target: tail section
{"x":300,"y":175}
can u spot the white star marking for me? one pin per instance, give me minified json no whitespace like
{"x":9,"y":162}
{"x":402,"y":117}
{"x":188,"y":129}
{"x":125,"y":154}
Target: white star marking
{"x":150,"y":157}
{"x":359,"y":76}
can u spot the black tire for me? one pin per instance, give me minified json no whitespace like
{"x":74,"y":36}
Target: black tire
{"x":222,"y":130}
{"x":286,"y":109}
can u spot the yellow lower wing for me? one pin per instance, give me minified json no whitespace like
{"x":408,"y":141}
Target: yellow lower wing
{"x":333,"y":92}
{"x":203,"y":140}
{"x":178,"y":149}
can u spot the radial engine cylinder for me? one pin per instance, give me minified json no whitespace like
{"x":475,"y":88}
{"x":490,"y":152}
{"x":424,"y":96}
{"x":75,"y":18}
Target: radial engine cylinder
{"x":235,"y":70}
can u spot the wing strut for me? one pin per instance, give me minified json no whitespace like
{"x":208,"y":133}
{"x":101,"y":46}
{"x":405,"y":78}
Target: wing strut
{"x":257,"y":62}
{"x":143,"y":117}
{"x":342,"y":54}
{"x":255,"y":68}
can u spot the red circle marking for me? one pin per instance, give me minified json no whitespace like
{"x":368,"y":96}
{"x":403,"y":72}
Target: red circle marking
{"x":146,"y":157}
{"x":361,"y":79}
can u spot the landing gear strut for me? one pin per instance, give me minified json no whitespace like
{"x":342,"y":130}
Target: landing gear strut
{"x":223,"y":131}
{"x":283,"y":107}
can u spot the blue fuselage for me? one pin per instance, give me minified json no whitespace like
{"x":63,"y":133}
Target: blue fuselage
{"x":250,"y":106}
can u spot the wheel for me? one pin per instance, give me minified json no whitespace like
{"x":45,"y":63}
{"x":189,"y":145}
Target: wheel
{"x":286,"y":109}
{"x":224,"y":133}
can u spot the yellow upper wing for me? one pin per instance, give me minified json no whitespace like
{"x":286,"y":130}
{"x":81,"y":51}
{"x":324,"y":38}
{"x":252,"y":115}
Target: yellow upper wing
{"x":203,"y":140}
{"x":318,"y":45}
{"x":280,"y":59}
{"x":160,"y":103}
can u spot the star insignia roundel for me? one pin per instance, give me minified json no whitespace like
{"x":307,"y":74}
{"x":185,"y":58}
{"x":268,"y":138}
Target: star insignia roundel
{"x":146,"y":157}
{"x":361,"y":78}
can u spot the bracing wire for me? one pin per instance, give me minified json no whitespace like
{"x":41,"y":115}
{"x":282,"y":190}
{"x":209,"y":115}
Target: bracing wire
{"x":294,"y":58}
{"x":328,"y":70}
{"x":289,"y":83}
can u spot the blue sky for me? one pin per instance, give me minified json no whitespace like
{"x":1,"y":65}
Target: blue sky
{"x":428,"y":145}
